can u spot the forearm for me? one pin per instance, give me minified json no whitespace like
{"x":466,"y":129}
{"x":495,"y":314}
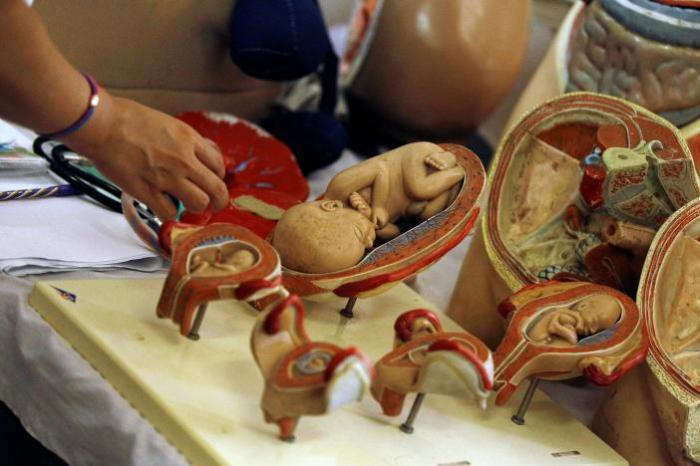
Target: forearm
{"x":147,"y":153}
{"x":39,"y":89}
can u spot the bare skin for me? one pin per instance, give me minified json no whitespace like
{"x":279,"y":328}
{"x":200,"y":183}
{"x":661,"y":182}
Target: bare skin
{"x":415,"y":180}
{"x":564,"y":326}
{"x":147,"y":153}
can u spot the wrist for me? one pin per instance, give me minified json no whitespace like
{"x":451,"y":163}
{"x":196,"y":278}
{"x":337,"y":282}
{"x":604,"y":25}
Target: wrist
{"x":88,"y":111}
{"x":88,"y":139}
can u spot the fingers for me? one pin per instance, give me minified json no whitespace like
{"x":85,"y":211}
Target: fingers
{"x":191,"y":195}
{"x":211,"y":161}
{"x":212,"y":186}
{"x":378,"y":221}
{"x":208,"y":153}
{"x":441,"y":160}
{"x":364,"y":210}
{"x":160,"y":204}
{"x":194,"y":184}
{"x":156,"y":200}
{"x":194,"y":199}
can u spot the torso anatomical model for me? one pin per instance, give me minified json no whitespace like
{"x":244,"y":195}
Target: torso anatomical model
{"x":577,"y":190}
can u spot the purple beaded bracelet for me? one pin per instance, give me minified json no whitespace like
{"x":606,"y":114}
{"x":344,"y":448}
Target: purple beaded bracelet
{"x":93,"y":101}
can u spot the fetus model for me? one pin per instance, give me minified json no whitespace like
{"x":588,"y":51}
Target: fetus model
{"x":364,"y":203}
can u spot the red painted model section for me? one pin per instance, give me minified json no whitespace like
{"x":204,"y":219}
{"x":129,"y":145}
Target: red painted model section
{"x":257,"y":165}
{"x":682,"y":3}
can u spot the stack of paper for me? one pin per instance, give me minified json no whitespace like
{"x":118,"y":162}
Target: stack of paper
{"x":65,"y":233}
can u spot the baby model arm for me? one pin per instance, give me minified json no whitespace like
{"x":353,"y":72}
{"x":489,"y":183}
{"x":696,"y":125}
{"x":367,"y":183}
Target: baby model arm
{"x":373,"y":174}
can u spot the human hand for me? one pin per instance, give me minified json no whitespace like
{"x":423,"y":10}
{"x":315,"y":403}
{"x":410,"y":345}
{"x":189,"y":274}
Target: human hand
{"x":150,"y":154}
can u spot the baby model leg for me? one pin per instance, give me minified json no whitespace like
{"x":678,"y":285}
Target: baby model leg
{"x":420,"y":185}
{"x":388,"y":232}
{"x":439,"y":204}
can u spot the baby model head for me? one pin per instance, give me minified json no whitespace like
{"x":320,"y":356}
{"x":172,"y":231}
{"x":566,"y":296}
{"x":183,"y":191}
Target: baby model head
{"x":564,"y":325}
{"x":322,"y":236}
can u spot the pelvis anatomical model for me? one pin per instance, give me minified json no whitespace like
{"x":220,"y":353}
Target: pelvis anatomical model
{"x":425,"y":359}
{"x":303,"y":377}
{"x":552,"y":180}
{"x":381,"y":221}
{"x":665,"y":427}
{"x":563,"y":330}
{"x":365,"y":202}
{"x":219,"y":261}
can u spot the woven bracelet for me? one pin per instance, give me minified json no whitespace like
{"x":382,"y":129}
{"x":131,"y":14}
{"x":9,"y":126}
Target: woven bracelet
{"x":93,"y":101}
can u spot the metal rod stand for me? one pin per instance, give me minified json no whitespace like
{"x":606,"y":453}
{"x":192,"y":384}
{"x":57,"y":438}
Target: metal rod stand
{"x":407,"y":426}
{"x":519,"y":417}
{"x":194,"y":331}
{"x":347,"y":310}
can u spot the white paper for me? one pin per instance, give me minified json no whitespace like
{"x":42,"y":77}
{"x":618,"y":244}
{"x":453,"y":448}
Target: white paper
{"x":63,"y":233}
{"x":67,"y":233}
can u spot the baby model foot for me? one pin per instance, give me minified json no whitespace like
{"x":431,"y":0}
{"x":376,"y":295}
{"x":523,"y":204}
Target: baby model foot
{"x":441,"y":160}
{"x":358,"y":203}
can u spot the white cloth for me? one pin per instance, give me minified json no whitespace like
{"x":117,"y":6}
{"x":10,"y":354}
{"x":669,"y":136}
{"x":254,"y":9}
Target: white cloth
{"x":60,"y":399}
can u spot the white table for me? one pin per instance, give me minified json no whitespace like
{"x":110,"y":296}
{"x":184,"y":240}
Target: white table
{"x":203,"y":396}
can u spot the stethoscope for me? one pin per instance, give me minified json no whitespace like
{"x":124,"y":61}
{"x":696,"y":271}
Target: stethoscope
{"x":67,"y":165}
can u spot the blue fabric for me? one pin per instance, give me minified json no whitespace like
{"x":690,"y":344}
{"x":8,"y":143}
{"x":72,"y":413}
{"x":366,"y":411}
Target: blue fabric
{"x":278,"y":39}
{"x":316,"y":139}
{"x":282,"y":40}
